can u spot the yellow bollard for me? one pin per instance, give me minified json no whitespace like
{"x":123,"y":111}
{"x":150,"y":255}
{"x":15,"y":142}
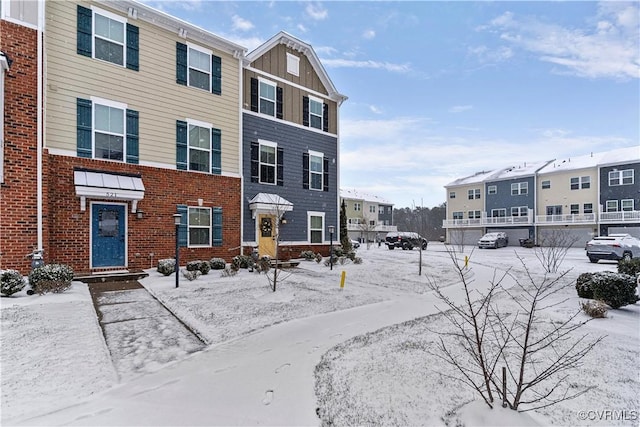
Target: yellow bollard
{"x":342,"y":279}
{"x":466,"y":261}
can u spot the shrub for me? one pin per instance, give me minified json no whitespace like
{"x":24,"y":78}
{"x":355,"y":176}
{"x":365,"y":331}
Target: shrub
{"x":594,"y":308}
{"x":51,"y":278}
{"x":193,"y":265}
{"x":11,"y":281}
{"x":630,"y":266}
{"x":241,"y":261}
{"x":338,"y":251}
{"x":217,"y":263}
{"x":229,"y":271}
{"x":307,"y":255}
{"x":166,"y":266}
{"x":191,"y":274}
{"x":205,"y":267}
{"x":351,"y":255}
{"x":614,"y":289}
{"x":583,"y":285}
{"x":357,"y":260}
{"x":319,"y":257}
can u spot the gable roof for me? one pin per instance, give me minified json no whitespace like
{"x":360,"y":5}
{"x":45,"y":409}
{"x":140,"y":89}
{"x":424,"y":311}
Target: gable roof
{"x":304,"y":48}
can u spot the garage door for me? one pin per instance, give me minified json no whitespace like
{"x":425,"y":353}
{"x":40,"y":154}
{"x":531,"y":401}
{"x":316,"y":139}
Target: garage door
{"x":634,"y":231}
{"x":466,"y":237}
{"x":514,"y":234}
{"x":576,"y":237}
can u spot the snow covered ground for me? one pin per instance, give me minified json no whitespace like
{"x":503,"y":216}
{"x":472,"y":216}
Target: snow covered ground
{"x":361,"y":349}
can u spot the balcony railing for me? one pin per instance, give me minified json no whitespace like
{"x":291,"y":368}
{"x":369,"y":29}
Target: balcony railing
{"x":374,"y":229}
{"x":488,"y":221}
{"x":604,"y":218}
{"x":566,"y":219}
{"x":624,"y":216}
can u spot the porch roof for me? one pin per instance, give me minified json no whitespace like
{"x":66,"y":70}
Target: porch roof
{"x":102,"y":185}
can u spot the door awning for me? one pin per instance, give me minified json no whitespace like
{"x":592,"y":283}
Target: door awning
{"x":269,"y":203}
{"x":101,"y":185}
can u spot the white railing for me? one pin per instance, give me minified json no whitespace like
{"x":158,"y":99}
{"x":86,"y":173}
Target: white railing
{"x":566,"y":219}
{"x":371,"y":228}
{"x":455,"y":223}
{"x":623,"y":216}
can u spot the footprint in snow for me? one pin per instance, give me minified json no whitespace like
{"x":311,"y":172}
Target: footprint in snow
{"x":268,"y":397}
{"x":314,"y":349}
{"x":282,"y":367}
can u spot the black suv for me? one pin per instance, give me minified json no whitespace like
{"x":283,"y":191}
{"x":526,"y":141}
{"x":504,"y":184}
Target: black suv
{"x":405,"y":240}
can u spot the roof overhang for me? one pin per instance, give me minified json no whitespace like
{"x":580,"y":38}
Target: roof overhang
{"x":268,"y":203}
{"x":101,"y":185}
{"x":5,"y":62}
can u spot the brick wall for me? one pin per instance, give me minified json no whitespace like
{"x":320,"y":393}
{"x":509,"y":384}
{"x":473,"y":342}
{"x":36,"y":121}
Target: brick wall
{"x":69,"y":227}
{"x":18,"y":193}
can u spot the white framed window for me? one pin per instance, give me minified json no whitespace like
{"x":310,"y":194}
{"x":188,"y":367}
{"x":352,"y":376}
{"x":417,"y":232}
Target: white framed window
{"x":268,"y":162}
{"x":381,"y":210}
{"x":626,"y":205}
{"x":109,"y":131}
{"x":372,"y":209}
{"x":499,"y":213}
{"x":357,"y":207}
{"x":452,"y":194}
{"x":623,"y":177}
{"x":611,"y":206}
{"x":474,"y":214}
{"x":199,"y":69}
{"x":315,"y":112}
{"x":23,"y":12}
{"x":554,"y":210}
{"x":315,"y":221}
{"x":492,"y":189}
{"x":109,"y":37}
{"x":474,"y":194}
{"x":575,"y":209}
{"x":293,"y":64}
{"x":519,"y":211}
{"x":199,"y":146}
{"x":458,"y":215}
{"x":316,"y":170}
{"x":199,"y":226}
{"x":519,"y":188}
{"x":267,"y":97}
{"x":587,"y":208}
{"x":546,"y":185}
{"x":580,"y":182}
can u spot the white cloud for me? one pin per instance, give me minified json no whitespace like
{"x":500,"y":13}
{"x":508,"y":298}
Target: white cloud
{"x":460,"y":108}
{"x":316,"y":11}
{"x":325,"y":50}
{"x":486,"y":55}
{"x":302,"y":28}
{"x":241,"y":24}
{"x":374,"y":109}
{"x":369,"y":34}
{"x":608,"y":48}
{"x":347,"y":63}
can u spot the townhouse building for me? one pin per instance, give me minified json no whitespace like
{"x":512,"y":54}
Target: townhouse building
{"x":369,"y":217}
{"x":583,"y":196}
{"x":290,"y":149}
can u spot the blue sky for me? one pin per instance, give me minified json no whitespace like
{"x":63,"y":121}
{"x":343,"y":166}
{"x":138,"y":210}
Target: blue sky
{"x":440,"y":90}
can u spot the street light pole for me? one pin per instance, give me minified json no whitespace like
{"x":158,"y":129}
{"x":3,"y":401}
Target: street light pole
{"x":331,"y":230}
{"x":176,"y":220}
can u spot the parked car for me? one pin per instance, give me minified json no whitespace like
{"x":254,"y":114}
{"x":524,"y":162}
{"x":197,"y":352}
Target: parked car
{"x":613,"y":247}
{"x":406,"y":240}
{"x":355,"y":244}
{"x":493,"y":240}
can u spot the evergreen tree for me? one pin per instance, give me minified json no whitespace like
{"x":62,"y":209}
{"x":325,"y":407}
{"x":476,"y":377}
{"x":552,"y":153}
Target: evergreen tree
{"x":344,"y":234}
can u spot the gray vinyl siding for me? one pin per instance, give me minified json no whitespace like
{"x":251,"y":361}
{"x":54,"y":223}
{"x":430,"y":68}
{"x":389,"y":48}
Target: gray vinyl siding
{"x":294,"y":141}
{"x":503,"y":198}
{"x":620,"y":192}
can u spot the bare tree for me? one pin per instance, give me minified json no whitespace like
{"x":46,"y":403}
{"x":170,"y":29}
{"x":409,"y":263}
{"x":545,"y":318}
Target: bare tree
{"x":553,"y":247}
{"x":271,"y":267}
{"x":457,"y":239}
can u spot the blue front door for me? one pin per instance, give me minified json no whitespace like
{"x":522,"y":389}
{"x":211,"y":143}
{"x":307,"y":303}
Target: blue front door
{"x":107,"y":235}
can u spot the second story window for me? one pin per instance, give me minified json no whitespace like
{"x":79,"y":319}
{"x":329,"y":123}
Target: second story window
{"x":198,"y":67}
{"x":458,"y":215}
{"x":624,"y":177}
{"x":587,"y":208}
{"x":267,"y":164}
{"x":492,"y":189}
{"x":198,"y":147}
{"x":267,"y":98}
{"x":546,"y":185}
{"x":452,"y":194}
{"x":519,"y":211}
{"x":357,"y":207}
{"x":315,"y":113}
{"x":580,"y":182}
{"x":519,"y":188}
{"x":474,"y":194}
{"x":109,"y":132}
{"x":316,"y":171}
{"x":106,"y":36}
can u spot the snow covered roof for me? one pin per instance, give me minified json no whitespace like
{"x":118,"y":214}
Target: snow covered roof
{"x":621,"y":155}
{"x":352,"y":193}
{"x":519,"y":171}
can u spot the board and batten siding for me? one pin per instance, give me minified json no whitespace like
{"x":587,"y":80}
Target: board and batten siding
{"x":561,"y":193}
{"x":152,"y":91}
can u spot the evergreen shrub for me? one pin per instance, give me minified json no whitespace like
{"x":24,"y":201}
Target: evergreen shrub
{"x":614,"y":289}
{"x":11,"y":281}
{"x":166,"y":266}
{"x":583,"y":287}
{"x":51,"y":278}
{"x":217,"y":263}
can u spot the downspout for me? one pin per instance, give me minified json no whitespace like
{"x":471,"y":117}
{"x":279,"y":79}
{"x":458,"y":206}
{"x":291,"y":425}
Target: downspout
{"x":40,"y":139}
{"x":240,"y":56}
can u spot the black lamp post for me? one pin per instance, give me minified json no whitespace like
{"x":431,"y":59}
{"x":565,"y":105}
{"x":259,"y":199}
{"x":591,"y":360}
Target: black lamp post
{"x":331,"y":230}
{"x":176,"y":220}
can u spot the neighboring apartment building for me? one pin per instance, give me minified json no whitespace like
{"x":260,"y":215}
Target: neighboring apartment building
{"x":589,"y":195}
{"x":21,"y":229}
{"x":290,"y":149}
{"x":369,"y":217}
{"x":142,"y":122}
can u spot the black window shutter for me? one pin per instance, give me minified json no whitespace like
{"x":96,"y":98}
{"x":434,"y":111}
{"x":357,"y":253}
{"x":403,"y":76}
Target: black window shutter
{"x":279,"y":102}
{"x":216,"y":151}
{"x":254,"y":94}
{"x":325,"y":117}
{"x":305,"y":110}
{"x":84,"y":33}
{"x":133,"y":57}
{"x":183,"y":240}
{"x":280,"y":169}
{"x":216,"y":75}
{"x":305,"y":171}
{"x":255,"y":165}
{"x":133,"y":145}
{"x":325,"y":174}
{"x":217,"y":227}
{"x":181,"y":63}
{"x":84,"y":129}
{"x":181,"y":145}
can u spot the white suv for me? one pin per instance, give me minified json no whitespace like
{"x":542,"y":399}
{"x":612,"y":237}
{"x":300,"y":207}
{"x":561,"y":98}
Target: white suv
{"x":613,"y":247}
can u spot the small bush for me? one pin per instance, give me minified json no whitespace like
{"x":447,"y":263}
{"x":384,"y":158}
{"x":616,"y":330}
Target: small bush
{"x":205,"y":267}
{"x":351,"y":255}
{"x":318,"y":258}
{"x":594,"y":308}
{"x":241,"y":261}
{"x":166,"y":266}
{"x":57,"y":276}
{"x":307,"y":255}
{"x":229,"y":271}
{"x":583,"y":285}
{"x":338,"y":251}
{"x":11,"y":281}
{"x":193,"y":265}
{"x":217,"y":263}
{"x":614,"y":289}
{"x":357,"y":260}
{"x":191,"y":274}
{"x":630,"y":267}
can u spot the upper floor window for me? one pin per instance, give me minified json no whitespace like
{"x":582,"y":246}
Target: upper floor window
{"x":474,"y":194}
{"x":315,"y":170}
{"x":492,"y":189}
{"x":546,"y":185}
{"x":580,"y":182}
{"x":626,"y":205}
{"x":315,"y":113}
{"x":624,"y":177}
{"x":357,"y":206}
{"x":554,"y":210}
{"x":293,"y":64}
{"x":611,"y":206}
{"x":519,"y":211}
{"x":198,"y":67}
{"x":587,"y":208}
{"x":372,"y":209}
{"x":381,"y":210}
{"x":458,"y":215}
{"x":106,"y":36}
{"x":268,"y":163}
{"x":519,"y":188}
{"x":267,"y":98}
{"x":199,"y":226}
{"x":24,"y":12}
{"x":575,"y":209}
{"x":198,"y":147}
{"x":474,"y":214}
{"x":452,"y":194}
{"x":499,"y":213}
{"x":107,"y":130}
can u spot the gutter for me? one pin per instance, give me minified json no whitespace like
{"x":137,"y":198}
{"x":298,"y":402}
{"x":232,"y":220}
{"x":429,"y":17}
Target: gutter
{"x":40,"y":139}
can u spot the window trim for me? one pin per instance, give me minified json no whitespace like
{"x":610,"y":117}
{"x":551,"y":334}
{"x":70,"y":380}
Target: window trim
{"x":574,"y":208}
{"x":293,"y":64}
{"x":315,"y":214}
{"x":274,"y":145}
{"x":499,"y":211}
{"x":275,"y":96}
{"x":587,"y":208}
{"x":522,"y":188}
{"x":207,"y":52}
{"x":96,"y":10}
{"x":209,"y":126}
{"x":619,"y":177}
{"x":189,"y":227}
{"x":492,"y":189}
{"x":321,"y":173}
{"x":613,"y":202}
{"x":112,"y":104}
{"x":452,"y":194}
{"x":457,"y":215}
{"x":545,"y":185}
{"x":518,"y":210}
{"x":321,"y":102}
{"x":622,"y":203}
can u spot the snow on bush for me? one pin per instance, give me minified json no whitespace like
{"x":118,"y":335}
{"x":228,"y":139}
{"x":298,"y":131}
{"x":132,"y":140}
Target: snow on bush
{"x":241,"y":261}
{"x":614,"y":289}
{"x":594,"y":308}
{"x":191,"y":274}
{"x":629,"y":266}
{"x":11,"y":281}
{"x":166,"y":266}
{"x":217,"y":263}
{"x":307,"y":255}
{"x":51,"y":278}
{"x":201,"y":266}
{"x":583,"y":287}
